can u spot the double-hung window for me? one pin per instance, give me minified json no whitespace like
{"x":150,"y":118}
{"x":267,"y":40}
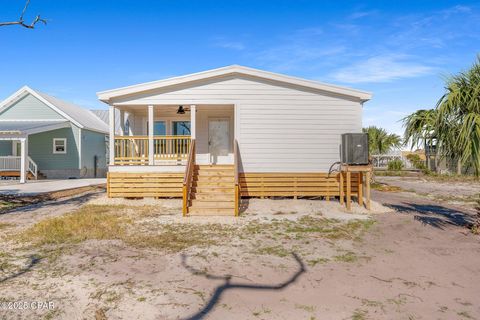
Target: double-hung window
{"x":59,"y":145}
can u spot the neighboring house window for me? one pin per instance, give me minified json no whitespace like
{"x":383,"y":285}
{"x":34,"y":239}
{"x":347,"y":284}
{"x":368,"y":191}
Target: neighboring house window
{"x":60,"y":145}
{"x":126,"y":128}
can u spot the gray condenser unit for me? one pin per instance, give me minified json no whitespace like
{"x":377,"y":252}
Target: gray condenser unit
{"x":354,"y":148}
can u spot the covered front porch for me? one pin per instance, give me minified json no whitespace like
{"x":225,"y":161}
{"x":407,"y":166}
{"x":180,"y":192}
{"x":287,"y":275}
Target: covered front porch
{"x":163,"y":135}
{"x":15,"y":161}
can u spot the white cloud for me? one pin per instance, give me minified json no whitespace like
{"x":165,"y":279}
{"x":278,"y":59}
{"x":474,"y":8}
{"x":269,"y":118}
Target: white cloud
{"x":362,"y":14}
{"x":381,"y":69}
{"x":234,"y":45}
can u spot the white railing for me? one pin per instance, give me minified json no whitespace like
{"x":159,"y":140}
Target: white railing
{"x":32,"y":167}
{"x":380,"y":161}
{"x":10,"y":163}
{"x":13,"y":163}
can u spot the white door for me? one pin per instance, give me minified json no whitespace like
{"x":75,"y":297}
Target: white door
{"x":219,"y":140}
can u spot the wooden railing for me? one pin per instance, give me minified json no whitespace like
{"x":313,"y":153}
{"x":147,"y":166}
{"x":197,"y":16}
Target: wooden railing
{"x":171,"y":147}
{"x":134,"y":150}
{"x":237,"y":180}
{"x":188,"y":178}
{"x":131,"y":150}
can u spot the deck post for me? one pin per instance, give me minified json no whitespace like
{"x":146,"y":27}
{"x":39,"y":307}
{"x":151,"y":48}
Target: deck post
{"x":111,"y":140}
{"x":349,"y":190}
{"x":151,"y":151}
{"x":193,"y":121}
{"x":23,"y":161}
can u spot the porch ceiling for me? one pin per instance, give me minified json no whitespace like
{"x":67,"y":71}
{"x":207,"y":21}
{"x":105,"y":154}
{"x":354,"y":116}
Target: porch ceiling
{"x":167,"y":110}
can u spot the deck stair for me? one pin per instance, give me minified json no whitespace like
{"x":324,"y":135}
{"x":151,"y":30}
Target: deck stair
{"x":213,"y":190}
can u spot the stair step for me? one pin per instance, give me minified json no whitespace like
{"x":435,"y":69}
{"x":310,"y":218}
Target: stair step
{"x":213,"y":178}
{"x":213,"y":196}
{"x":213,"y":184}
{"x":214,"y":166}
{"x":213,"y":204}
{"x":211,"y":212}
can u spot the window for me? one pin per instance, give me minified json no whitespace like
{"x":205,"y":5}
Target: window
{"x":181,"y":128}
{"x":159,"y":128}
{"x":60,"y":145}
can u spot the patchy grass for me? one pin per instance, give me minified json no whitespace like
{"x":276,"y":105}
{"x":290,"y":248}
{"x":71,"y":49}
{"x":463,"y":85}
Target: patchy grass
{"x":385,"y":187}
{"x":346,"y":257}
{"x":4,"y":225}
{"x":7,"y":205}
{"x":178,"y":237}
{"x":318,"y":227}
{"x":307,"y":308}
{"x":278,"y":250}
{"x":314,"y":262}
{"x":89,"y":222}
{"x":359,"y":315}
{"x":100,"y":222}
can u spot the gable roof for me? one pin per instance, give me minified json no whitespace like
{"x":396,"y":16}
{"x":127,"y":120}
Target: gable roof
{"x":105,"y":117}
{"x":79,"y":116}
{"x":106,"y":96}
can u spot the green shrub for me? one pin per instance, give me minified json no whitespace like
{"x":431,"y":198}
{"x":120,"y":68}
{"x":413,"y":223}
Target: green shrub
{"x":416,"y":161}
{"x":395,"y":165}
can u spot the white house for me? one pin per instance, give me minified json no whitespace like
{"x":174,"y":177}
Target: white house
{"x":210,"y":135}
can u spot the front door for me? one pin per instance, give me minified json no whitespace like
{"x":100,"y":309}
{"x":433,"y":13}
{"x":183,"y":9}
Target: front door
{"x":218,"y":140}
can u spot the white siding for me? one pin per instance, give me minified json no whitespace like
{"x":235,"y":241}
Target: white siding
{"x":280,"y":128}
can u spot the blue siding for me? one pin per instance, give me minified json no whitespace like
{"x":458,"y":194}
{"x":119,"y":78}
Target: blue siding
{"x":29,"y":107}
{"x":93,"y":144}
{"x":40,"y":149}
{"x":5,"y":148}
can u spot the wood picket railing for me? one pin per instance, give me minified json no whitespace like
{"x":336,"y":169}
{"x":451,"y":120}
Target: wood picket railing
{"x":134,"y":150}
{"x":188,"y":178}
{"x":237,"y":180}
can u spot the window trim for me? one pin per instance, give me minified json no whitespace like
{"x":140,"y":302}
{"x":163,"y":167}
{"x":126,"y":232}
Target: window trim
{"x":64,"y":144}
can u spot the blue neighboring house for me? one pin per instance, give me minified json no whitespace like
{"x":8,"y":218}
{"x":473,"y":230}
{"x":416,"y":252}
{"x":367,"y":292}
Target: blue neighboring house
{"x":43,"y":136}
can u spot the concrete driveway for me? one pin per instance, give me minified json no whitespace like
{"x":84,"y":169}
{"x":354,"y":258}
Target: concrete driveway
{"x":35,"y":187}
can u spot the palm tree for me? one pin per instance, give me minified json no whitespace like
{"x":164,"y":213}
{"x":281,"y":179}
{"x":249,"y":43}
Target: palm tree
{"x":380,"y":141}
{"x":458,"y":119}
{"x":421,"y":130}
{"x":454,"y":125}
{"x":420,"y":127}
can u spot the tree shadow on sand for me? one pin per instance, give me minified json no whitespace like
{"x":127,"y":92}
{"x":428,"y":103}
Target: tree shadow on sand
{"x":228,"y":285}
{"x":34,"y":259}
{"x":435,"y":215}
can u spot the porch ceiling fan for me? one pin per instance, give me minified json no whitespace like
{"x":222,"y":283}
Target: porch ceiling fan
{"x":181,"y":109}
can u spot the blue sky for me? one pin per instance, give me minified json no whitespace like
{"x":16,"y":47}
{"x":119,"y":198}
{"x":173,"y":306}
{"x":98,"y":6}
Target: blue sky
{"x":400,"y":51}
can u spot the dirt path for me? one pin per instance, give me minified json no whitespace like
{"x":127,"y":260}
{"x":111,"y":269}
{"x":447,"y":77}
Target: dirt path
{"x":416,"y":263}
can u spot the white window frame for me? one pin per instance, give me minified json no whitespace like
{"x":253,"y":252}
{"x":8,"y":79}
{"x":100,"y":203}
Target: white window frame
{"x":64,"y":143}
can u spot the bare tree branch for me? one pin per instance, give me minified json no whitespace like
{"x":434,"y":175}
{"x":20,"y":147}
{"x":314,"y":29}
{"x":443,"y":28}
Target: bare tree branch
{"x":22,"y":23}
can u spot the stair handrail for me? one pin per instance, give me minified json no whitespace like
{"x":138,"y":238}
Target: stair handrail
{"x":187,"y":178}
{"x":32,"y":167}
{"x":237,"y":181}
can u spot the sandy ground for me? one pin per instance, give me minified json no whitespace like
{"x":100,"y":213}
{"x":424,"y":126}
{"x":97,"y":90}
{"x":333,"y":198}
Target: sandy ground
{"x":418,"y":261}
{"x":424,"y":186}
